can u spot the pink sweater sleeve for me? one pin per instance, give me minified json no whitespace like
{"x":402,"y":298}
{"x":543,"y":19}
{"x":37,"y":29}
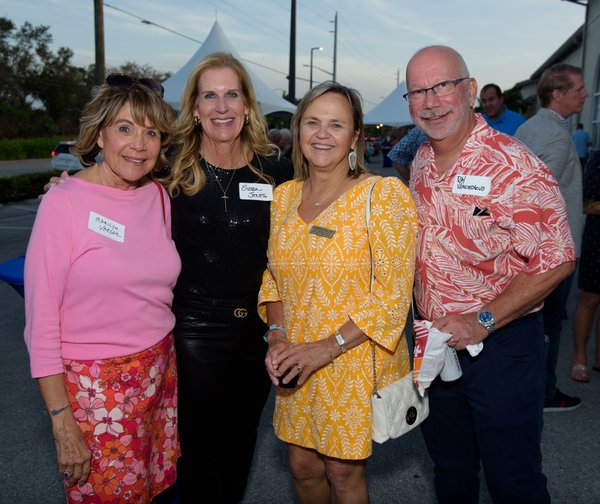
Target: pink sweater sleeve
{"x":47,"y":261}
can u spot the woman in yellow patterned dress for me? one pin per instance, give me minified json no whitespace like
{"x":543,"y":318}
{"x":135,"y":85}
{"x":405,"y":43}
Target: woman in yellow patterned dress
{"x":316,"y":296}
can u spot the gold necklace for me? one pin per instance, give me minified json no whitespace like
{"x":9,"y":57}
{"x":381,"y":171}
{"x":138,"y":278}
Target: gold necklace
{"x":212,"y":167}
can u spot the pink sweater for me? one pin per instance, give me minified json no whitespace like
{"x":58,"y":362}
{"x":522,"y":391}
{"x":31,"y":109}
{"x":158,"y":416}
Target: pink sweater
{"x":99,"y":272}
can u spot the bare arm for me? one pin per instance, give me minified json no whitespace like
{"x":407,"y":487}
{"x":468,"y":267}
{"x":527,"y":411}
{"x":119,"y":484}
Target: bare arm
{"x":277,"y":340}
{"x":592,"y":209}
{"x":525,"y":292}
{"x":283,"y":355}
{"x":72,"y":451}
{"x":522,"y":294}
{"x":403,"y":171}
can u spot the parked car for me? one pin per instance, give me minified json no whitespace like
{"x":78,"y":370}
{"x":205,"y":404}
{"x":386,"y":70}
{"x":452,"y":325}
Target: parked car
{"x":62,"y":159}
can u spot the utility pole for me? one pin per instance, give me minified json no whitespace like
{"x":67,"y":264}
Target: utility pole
{"x":292,"y":72}
{"x":99,"y":40}
{"x":333,"y":74}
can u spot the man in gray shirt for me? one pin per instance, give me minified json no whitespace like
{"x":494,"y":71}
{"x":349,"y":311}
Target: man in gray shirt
{"x":562,"y":94}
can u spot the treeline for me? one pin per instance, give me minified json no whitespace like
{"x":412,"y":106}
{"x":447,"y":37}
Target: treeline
{"x":41,"y":91}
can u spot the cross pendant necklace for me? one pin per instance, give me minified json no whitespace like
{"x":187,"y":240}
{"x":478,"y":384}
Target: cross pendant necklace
{"x":212,"y":167}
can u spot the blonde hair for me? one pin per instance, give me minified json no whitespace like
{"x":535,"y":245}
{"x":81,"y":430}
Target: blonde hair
{"x":102,"y":110}
{"x":354,"y":100}
{"x":186,"y":172}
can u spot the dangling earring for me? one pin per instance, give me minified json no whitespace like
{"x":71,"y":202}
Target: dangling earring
{"x":246,"y":120}
{"x":352,"y":160}
{"x":197,"y":121}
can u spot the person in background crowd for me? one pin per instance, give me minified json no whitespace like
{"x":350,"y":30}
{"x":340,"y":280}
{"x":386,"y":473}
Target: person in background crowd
{"x":325,"y":320}
{"x":274,"y":136}
{"x":582,"y":141}
{"x":282,"y":138}
{"x":562,"y":94}
{"x":386,"y":146}
{"x":99,"y":275}
{"x":286,"y":143}
{"x":405,"y":150}
{"x":483,"y":281}
{"x":498,"y":115}
{"x":589,"y":274}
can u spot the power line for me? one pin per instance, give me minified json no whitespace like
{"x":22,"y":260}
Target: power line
{"x":152,"y":23}
{"x":247,"y":15}
{"x":145,"y":21}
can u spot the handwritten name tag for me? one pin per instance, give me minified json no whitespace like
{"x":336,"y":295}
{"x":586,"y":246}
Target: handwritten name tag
{"x":472,"y":184}
{"x":321,"y":231}
{"x":255,"y":191}
{"x":106,"y":227}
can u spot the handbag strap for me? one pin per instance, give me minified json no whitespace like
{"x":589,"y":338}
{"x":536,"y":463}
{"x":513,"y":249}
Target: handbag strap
{"x":162,"y":200}
{"x":368,"y":221}
{"x":406,"y":333}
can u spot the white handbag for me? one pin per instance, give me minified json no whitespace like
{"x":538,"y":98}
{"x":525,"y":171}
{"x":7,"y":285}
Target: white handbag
{"x":398,"y":407}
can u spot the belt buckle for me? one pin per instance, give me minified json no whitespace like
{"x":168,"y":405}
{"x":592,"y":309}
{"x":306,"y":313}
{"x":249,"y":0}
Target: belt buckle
{"x":240,"y":313}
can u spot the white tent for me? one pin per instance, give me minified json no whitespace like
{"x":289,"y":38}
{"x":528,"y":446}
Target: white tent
{"x":392,"y":111}
{"x":216,"y":41}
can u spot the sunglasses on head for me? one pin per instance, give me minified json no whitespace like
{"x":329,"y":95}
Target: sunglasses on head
{"x":117,"y":79}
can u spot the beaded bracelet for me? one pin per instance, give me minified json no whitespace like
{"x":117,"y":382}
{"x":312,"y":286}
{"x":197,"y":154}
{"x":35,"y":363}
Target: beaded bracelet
{"x":56,"y":411}
{"x":274,"y":327}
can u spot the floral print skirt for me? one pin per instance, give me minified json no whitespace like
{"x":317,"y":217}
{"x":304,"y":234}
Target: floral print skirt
{"x":127,"y":411}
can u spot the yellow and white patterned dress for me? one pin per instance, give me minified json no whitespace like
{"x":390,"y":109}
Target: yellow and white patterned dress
{"x":324,"y":281}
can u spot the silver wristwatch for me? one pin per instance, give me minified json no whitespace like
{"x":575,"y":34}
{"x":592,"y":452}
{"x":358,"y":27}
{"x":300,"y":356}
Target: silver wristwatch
{"x":340,"y":341}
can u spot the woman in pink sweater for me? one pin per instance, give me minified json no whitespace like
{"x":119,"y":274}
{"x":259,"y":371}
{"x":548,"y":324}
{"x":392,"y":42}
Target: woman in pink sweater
{"x":99,"y":273}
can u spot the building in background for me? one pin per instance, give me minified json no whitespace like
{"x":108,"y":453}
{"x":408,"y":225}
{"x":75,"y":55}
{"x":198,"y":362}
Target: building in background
{"x":582,"y":49}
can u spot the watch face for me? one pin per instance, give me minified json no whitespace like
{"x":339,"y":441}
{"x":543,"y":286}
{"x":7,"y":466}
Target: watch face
{"x":486,"y":317}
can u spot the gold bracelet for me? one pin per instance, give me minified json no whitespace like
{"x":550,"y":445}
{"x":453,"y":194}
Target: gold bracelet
{"x":329,"y":349}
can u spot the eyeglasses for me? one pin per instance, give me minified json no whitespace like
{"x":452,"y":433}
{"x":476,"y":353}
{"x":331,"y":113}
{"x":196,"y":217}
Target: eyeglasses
{"x":118,"y":79}
{"x":443,"y":88}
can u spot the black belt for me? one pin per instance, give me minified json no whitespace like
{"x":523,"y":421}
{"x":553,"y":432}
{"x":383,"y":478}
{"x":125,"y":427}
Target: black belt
{"x":216,"y":309}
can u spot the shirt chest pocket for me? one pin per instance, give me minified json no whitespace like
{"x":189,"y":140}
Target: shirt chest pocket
{"x":479,"y":236}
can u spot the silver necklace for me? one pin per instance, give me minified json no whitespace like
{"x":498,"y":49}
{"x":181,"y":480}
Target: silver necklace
{"x":212,"y":167}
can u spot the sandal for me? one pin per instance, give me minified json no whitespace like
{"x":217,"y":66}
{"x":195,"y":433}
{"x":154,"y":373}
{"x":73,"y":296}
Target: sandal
{"x":579,"y":373}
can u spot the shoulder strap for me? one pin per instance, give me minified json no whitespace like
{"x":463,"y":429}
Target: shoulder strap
{"x":162,"y":200}
{"x":368,"y":221}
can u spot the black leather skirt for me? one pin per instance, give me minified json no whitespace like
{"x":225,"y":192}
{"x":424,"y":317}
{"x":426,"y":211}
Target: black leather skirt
{"x":209,"y":330}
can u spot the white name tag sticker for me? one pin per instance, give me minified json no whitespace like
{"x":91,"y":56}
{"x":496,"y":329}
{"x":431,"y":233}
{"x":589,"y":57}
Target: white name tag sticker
{"x":106,"y":227}
{"x":472,"y":184}
{"x":256,"y":191}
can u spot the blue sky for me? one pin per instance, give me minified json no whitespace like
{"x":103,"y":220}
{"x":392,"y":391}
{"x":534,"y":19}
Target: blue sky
{"x":502,"y":41}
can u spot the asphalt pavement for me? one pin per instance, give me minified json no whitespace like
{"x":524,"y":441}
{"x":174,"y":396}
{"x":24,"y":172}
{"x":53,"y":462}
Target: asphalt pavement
{"x":398,"y":472}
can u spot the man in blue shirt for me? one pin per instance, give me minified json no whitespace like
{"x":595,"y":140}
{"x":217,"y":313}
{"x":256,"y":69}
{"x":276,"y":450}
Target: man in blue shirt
{"x":497,"y":115}
{"x":405,"y":150}
{"x":582,"y":141}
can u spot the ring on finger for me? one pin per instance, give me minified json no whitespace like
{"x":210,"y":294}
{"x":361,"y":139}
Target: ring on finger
{"x":66,"y":474}
{"x":299,"y":369}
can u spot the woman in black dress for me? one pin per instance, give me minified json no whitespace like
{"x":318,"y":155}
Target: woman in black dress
{"x":589,"y":274}
{"x":222,"y":180}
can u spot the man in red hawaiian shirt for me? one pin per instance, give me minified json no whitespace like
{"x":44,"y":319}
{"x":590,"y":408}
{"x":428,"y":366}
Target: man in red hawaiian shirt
{"x":493,"y":242}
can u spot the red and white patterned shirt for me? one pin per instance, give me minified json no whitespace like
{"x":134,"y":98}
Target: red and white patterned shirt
{"x":496,"y":212}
